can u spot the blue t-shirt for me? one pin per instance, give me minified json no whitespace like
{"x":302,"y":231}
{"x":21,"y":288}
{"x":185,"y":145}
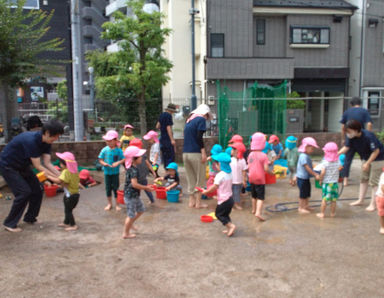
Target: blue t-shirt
{"x":19,"y":151}
{"x":365,"y":145}
{"x":358,"y":114}
{"x":165,"y":120}
{"x":278,"y":149}
{"x":301,"y":172}
{"x":110,"y":156}
{"x":191,"y":138}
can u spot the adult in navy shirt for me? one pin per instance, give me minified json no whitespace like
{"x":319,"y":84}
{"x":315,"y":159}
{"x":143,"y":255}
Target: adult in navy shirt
{"x":16,"y":160}
{"x":167,"y":142}
{"x":356,"y":112}
{"x":371,"y":152}
{"x":194,"y":155}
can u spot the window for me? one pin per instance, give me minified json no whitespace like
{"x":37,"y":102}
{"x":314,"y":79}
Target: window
{"x":29,"y":4}
{"x":88,"y":22}
{"x":309,"y":35}
{"x":217,"y":45}
{"x":374,"y":103}
{"x":260,"y":31}
{"x":88,"y":39}
{"x":87,"y":3}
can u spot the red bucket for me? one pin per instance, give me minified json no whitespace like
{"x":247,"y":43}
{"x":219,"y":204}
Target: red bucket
{"x":120,"y":197}
{"x":161,"y":193}
{"x":50,"y":191}
{"x":270,"y":179}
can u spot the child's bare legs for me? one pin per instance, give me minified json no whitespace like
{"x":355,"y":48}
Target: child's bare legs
{"x":71,"y":228}
{"x":198,"y":204}
{"x":362,"y":193}
{"x":237,"y":206}
{"x":302,"y":206}
{"x":118,"y":208}
{"x":109,"y":206}
{"x":128,"y":225}
{"x":333,"y":209}
{"x":345,"y":181}
{"x":259,"y":210}
{"x":382,"y":225}
{"x":372,"y":205}
{"x":254,"y":203}
{"x":231,"y":229}
{"x":322,"y":209}
{"x":192,"y":201}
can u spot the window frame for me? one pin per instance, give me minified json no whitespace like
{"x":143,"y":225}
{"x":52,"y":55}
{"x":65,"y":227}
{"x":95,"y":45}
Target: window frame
{"x":211,"y":43}
{"x":263,"y":31}
{"x":320,"y":28}
{"x":25,"y":6}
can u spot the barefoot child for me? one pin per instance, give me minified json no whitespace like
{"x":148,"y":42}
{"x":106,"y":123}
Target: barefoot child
{"x":223,"y":185}
{"x":257,"y":167}
{"x":135,"y":207}
{"x":154,"y":155}
{"x":171,"y":179}
{"x":69,"y":179}
{"x":111,"y":157}
{"x":127,"y":136}
{"x":329,"y":177}
{"x":213,"y":169}
{"x":239,"y":172}
{"x":292,"y":155}
{"x":86,"y":179}
{"x":276,"y":146}
{"x":380,"y":202}
{"x":304,"y":173}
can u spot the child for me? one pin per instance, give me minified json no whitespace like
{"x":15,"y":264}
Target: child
{"x":144,"y":167}
{"x":127,"y":136}
{"x":292,"y":155}
{"x":69,"y":179}
{"x":111,"y":157}
{"x":213,"y":169}
{"x":257,"y":167}
{"x":270,"y":154}
{"x":380,"y":202}
{"x":276,"y":146}
{"x":154,"y":155}
{"x":239,"y":174}
{"x":304,"y":172}
{"x":172,"y":179}
{"x":86,"y":179}
{"x":329,"y":176}
{"x":236,"y":139}
{"x":223,"y":185}
{"x":135,"y":207}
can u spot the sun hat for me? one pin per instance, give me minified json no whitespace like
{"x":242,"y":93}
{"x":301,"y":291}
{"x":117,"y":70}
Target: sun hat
{"x":172,"y":166}
{"x":224,"y":159}
{"x":258,"y":141}
{"x":128,"y":126}
{"x":111,"y":135}
{"x":330,"y":152}
{"x":130,"y":153}
{"x":240,"y":147}
{"x":228,"y":151}
{"x":152,"y":135}
{"x":273,"y":138}
{"x":308,"y":141}
{"x":171,"y":107}
{"x":290,"y":142}
{"x":216,"y":149}
{"x":70,"y":161}
{"x":203,"y":109}
{"x":136,"y":142}
{"x":84,"y":174}
{"x":236,"y":139}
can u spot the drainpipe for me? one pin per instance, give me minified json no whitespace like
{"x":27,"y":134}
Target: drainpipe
{"x":362,"y":49}
{"x":192,"y":12}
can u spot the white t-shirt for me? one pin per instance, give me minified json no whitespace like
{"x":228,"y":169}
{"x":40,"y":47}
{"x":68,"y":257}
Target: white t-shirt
{"x":381,"y":183}
{"x":331,"y":171}
{"x":155,"y":148}
{"x":224,"y":181}
{"x":238,"y":166}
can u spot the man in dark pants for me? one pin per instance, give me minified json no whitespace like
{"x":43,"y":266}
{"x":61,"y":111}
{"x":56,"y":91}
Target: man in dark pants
{"x":167,"y":142}
{"x":16,"y":159}
{"x":356,"y":112}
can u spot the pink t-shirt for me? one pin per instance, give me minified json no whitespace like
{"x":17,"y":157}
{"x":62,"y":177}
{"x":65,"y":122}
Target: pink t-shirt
{"x":256,"y":162}
{"x":224,"y":181}
{"x":238,"y":166}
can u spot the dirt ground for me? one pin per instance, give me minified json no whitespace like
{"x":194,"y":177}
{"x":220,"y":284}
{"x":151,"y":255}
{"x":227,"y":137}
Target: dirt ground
{"x":176,"y":255}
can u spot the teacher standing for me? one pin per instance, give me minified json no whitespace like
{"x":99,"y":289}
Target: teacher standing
{"x":194,"y":155}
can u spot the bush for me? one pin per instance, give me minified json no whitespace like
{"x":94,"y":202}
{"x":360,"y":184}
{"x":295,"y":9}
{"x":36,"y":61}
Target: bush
{"x":296,"y":103}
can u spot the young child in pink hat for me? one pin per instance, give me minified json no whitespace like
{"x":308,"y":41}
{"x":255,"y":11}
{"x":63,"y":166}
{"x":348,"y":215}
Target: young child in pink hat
{"x":69,"y":179}
{"x":127,"y":136}
{"x":304,"y":173}
{"x":135,"y":206}
{"x":154,"y":154}
{"x":329,"y":177}
{"x":111,"y":157}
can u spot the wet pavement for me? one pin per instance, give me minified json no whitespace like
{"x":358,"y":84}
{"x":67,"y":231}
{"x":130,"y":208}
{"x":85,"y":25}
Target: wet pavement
{"x":176,"y":255}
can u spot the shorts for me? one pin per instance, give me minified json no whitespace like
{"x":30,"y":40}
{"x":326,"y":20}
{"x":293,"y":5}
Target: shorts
{"x":380,"y":205}
{"x":223,"y":211}
{"x":134,"y":206}
{"x":258,"y":191}
{"x":330,"y":192}
{"x":112,"y":183}
{"x":304,"y":186}
{"x":236,"y":191}
{"x":373,"y":175}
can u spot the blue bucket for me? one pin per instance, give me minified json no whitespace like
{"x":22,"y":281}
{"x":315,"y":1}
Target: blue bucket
{"x":173,"y":196}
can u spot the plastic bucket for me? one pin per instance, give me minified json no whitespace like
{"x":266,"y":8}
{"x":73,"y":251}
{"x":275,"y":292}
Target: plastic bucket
{"x":161,"y":193}
{"x":270,"y":179}
{"x":50,"y":191}
{"x":206,"y":218}
{"x":173,"y":196}
{"x":120,"y":197}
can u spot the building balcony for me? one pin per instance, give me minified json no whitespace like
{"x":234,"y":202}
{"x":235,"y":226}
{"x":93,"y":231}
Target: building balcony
{"x":250,"y":68}
{"x":94,"y":14}
{"x":114,"y":6}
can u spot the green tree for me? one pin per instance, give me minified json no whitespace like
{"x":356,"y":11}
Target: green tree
{"x":139,"y":69}
{"x":21,"y":43}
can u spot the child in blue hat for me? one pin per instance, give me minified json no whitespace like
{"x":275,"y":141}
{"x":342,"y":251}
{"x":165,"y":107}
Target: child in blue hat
{"x":171,"y":179}
{"x":292,"y":155}
{"x":223,"y":185}
{"x":213,"y":170}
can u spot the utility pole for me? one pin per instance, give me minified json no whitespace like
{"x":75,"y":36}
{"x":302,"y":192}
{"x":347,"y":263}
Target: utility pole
{"x":76,"y":70}
{"x":193,"y":12}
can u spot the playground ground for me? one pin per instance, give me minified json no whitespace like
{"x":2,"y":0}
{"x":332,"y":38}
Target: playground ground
{"x":176,"y":255}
